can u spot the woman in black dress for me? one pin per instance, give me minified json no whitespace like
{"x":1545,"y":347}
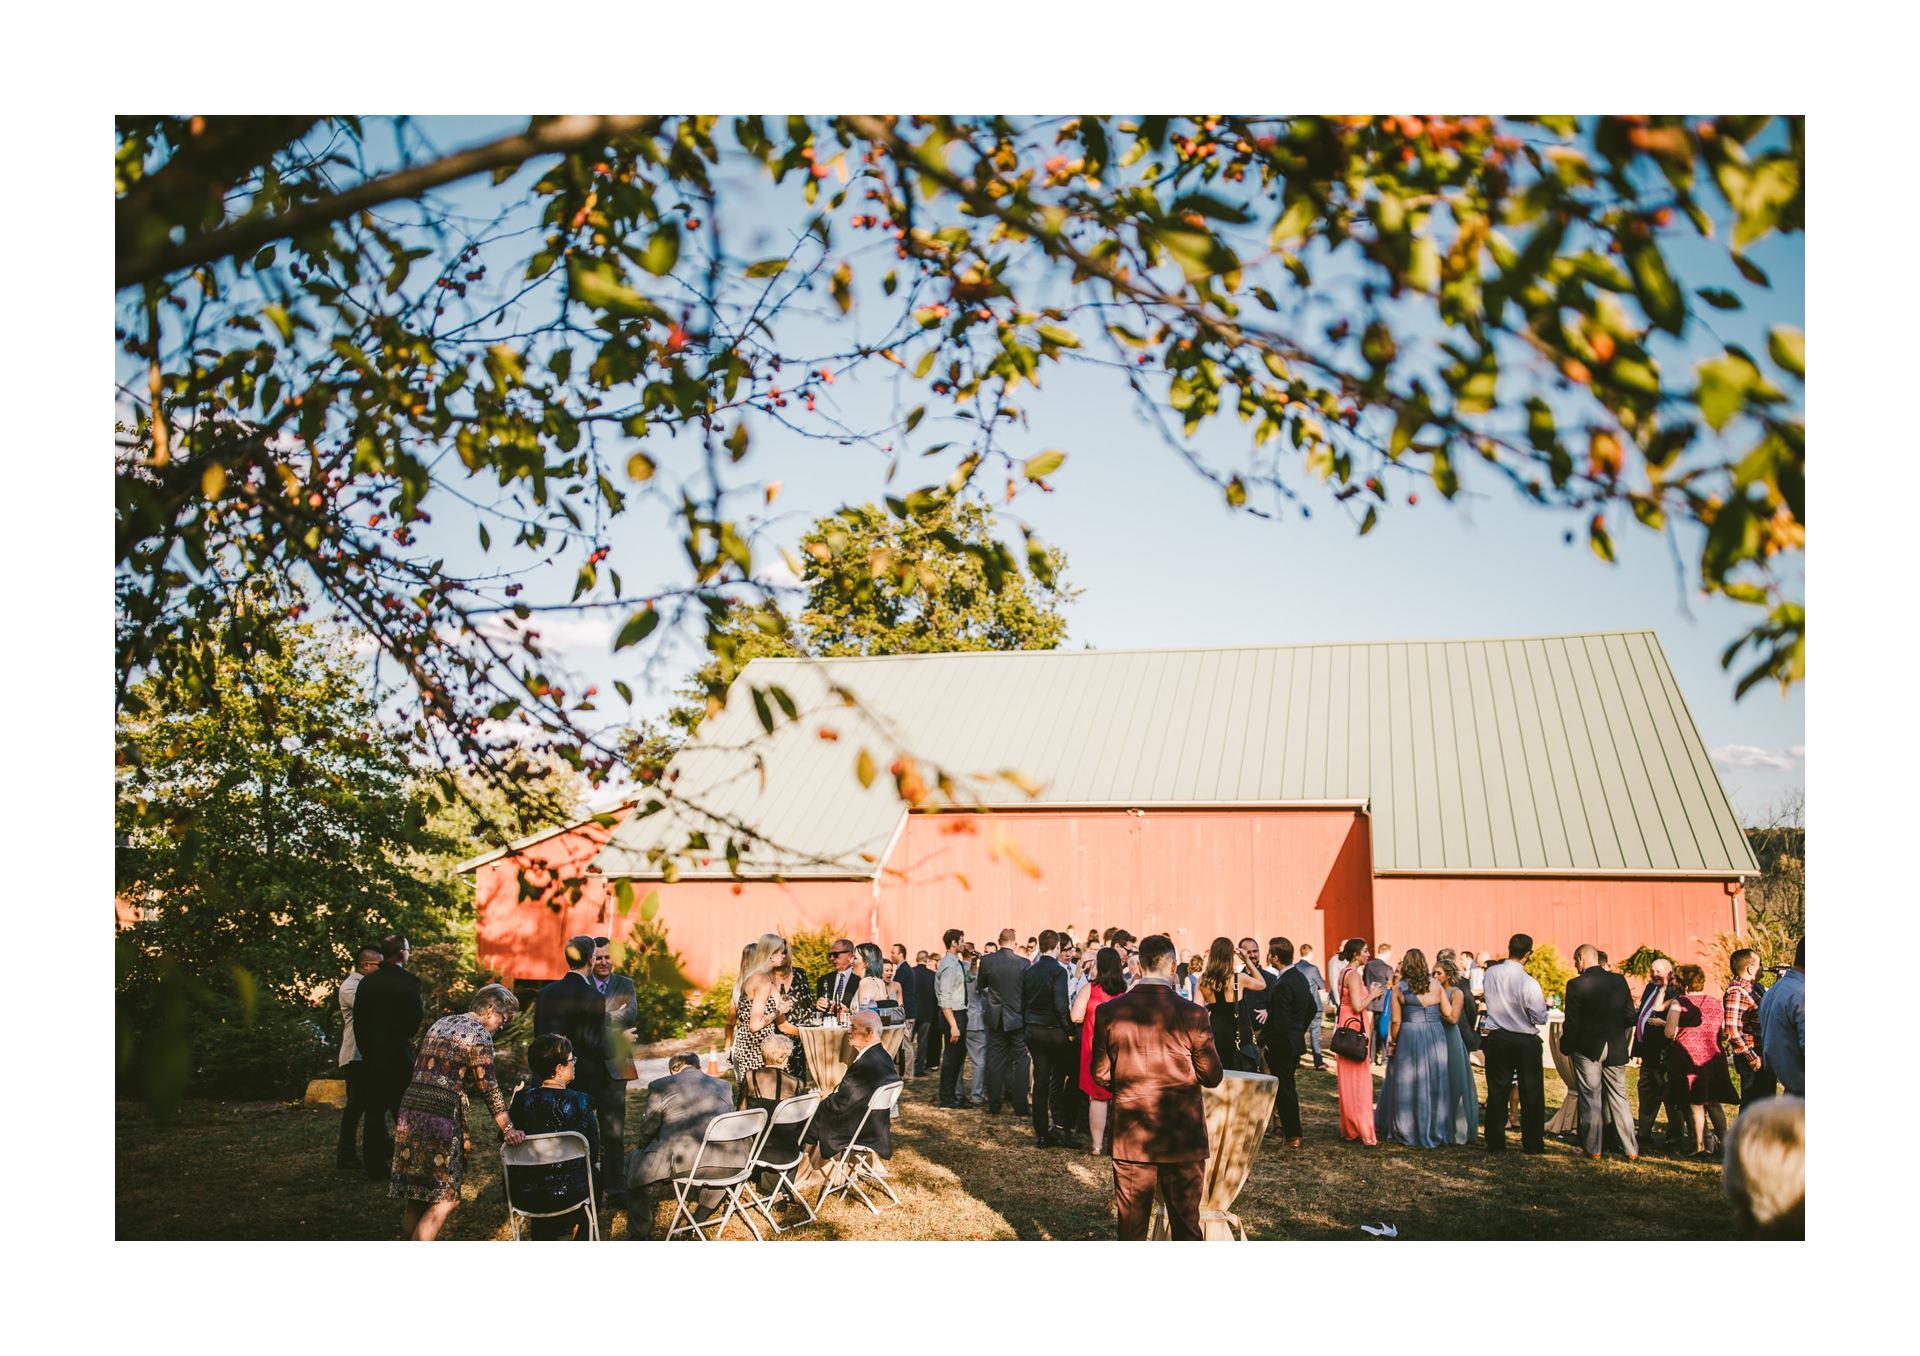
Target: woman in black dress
{"x":543,"y":1109}
{"x":1226,"y":977}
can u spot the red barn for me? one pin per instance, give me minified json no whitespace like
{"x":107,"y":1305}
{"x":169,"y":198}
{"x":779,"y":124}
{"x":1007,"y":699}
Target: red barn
{"x":1431,"y":793}
{"x":533,"y":894}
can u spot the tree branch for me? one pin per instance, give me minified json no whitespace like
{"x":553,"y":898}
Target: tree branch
{"x":558,"y":137}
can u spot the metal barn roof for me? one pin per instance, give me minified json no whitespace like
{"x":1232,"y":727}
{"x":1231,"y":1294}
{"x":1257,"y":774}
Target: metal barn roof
{"x":1554,"y":755}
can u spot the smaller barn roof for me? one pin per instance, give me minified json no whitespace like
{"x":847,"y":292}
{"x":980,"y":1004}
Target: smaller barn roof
{"x":1562,"y":755}
{"x":520,"y":844}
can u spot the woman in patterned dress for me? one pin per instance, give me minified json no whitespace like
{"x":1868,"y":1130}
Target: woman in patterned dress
{"x":429,"y":1158}
{"x":1697,"y":1076}
{"x":764,"y":1003}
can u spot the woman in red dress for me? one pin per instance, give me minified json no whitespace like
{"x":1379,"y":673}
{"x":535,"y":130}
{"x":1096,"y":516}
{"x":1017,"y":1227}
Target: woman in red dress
{"x":1108,"y":981}
{"x":1697,"y":1076}
{"x":1356,"y":1076}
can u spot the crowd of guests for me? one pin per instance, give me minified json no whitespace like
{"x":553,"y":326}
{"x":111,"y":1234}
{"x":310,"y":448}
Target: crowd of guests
{"x":1110,"y":1039}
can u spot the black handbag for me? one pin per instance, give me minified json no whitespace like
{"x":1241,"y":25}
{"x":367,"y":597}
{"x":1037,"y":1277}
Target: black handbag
{"x":1349,"y":1041}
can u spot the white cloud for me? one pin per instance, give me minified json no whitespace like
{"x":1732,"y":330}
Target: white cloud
{"x":1789,"y":759}
{"x":561,"y":631}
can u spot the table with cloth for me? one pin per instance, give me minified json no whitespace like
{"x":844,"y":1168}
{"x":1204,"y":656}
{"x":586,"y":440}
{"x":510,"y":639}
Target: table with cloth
{"x":829,"y":1051}
{"x":1566,"y":1120}
{"x":1237,"y":1114}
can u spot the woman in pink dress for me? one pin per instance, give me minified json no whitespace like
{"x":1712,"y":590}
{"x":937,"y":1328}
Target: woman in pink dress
{"x":1109,"y":981}
{"x":1356,"y":1076}
{"x":1697,"y":1076}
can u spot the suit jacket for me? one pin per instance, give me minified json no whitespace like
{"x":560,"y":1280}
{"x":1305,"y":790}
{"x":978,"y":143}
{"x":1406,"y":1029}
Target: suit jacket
{"x":924,"y":1006}
{"x":572,"y":1007}
{"x":1044,"y":1003}
{"x":1154,"y":1051}
{"x":1291,"y":1009}
{"x":1378,"y":972}
{"x":1001,"y":977}
{"x":623,"y":1010}
{"x":386,"y":1018}
{"x":679,"y":1109}
{"x":840,"y":1111}
{"x":1651,"y":1047}
{"x":1600,"y":1016}
{"x":850,"y":986}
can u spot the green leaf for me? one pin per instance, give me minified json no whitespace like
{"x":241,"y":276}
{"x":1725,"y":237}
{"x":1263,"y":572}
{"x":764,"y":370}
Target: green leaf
{"x":623,"y":892}
{"x":1598,"y":539}
{"x":925,"y":365}
{"x":640,"y":466}
{"x":1295,"y":220}
{"x":639,"y":626}
{"x":1787,"y":346}
{"x":1750,"y":271}
{"x":864,"y":769}
{"x":914,"y":416}
{"x":1236,"y":492}
{"x":601,"y":286}
{"x":785,"y":702}
{"x":1057,"y":334}
{"x":767,"y":268}
{"x":762,"y":710}
{"x":662,"y":250}
{"x":1367,"y":523}
{"x":1045,"y":464}
{"x":626,"y":693}
{"x":1653,"y":284}
{"x":1718,"y":298}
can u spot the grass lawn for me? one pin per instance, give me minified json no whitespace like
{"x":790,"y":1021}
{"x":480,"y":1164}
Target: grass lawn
{"x":265,"y":1171}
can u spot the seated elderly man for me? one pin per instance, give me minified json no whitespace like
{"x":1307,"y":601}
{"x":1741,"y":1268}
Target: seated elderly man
{"x":679,"y":1109}
{"x":839,"y":1114}
{"x":1765,"y":1174}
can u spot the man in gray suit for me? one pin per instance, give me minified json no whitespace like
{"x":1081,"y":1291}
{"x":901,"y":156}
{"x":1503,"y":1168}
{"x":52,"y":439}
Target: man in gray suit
{"x":1596,"y":1035}
{"x":623,"y":1010}
{"x":1001,"y":977}
{"x":679,"y":1109}
{"x":976,"y":1026}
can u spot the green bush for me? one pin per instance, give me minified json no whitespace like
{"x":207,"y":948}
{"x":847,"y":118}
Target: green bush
{"x":272,"y":1056}
{"x":1547,"y":965}
{"x":663,"y":1012}
{"x":715,"y":1006}
{"x":810,"y":946}
{"x":1640,"y":963}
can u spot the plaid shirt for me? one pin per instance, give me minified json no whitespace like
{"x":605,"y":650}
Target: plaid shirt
{"x":1740,"y":1034}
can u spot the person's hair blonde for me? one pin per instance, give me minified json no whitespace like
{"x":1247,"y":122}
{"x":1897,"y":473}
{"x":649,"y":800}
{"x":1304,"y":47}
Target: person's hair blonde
{"x":1413,"y":971}
{"x":1765,"y":1172}
{"x":777,"y":1048}
{"x":761,"y":959}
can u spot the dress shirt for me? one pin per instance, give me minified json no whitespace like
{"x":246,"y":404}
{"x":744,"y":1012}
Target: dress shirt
{"x":1783,"y":1031}
{"x":847,"y":987}
{"x":950,"y":983}
{"x":1513,"y":1000}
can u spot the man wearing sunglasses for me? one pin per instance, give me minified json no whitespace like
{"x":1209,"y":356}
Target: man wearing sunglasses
{"x":841,"y":983}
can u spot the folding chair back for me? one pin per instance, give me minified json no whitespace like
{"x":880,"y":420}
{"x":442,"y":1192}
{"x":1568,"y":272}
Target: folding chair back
{"x":729,"y":1127}
{"x":544,"y":1151}
{"x":798,"y":1110}
{"x":856,"y":1160}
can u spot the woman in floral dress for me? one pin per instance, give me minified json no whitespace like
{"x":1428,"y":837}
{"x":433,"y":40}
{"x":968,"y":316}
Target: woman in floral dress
{"x":429,"y":1144}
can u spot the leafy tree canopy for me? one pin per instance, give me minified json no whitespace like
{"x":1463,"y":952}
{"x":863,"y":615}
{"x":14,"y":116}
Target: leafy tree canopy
{"x":321,"y":357}
{"x":877,"y":581}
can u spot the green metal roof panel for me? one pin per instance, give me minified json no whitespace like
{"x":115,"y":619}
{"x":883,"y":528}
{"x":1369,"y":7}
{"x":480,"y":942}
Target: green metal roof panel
{"x":1534,"y":754}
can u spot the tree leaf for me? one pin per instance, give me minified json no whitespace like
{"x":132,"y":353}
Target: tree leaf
{"x":639,"y":626}
{"x":1787,"y":346}
{"x":767,"y":268}
{"x":1718,"y":298}
{"x":864,"y":769}
{"x":640,"y":466}
{"x":1045,"y":464}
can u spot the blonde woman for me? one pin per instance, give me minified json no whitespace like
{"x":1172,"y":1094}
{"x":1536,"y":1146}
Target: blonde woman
{"x":762,"y":1003}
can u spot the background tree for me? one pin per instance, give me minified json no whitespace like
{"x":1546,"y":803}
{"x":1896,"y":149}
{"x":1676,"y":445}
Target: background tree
{"x":319,"y":356}
{"x":269,"y":823}
{"x":877,"y":581}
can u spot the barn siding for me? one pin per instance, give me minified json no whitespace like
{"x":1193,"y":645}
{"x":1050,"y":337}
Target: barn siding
{"x":524,"y":939}
{"x":1679,"y":917}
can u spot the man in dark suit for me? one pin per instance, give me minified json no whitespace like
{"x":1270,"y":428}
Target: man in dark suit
{"x":839,"y":984}
{"x":1290,"y":1007}
{"x":1650,"y":1043}
{"x":840,"y":1111}
{"x":1380,"y":970}
{"x":928,"y":1025}
{"x":1154,"y":1051}
{"x":1002,"y":976}
{"x":572,"y":1007}
{"x":1595,"y":1035}
{"x":1044,"y":1006}
{"x":386,"y":1018}
{"x":623,"y":1010}
{"x":679,"y":1108}
{"x":910,"y":1000}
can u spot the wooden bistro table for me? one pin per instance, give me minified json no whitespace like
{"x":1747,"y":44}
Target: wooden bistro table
{"x":829,"y":1051}
{"x":1237,"y":1114}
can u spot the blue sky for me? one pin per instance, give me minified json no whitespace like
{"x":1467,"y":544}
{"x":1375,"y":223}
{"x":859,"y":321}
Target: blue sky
{"x":1160,"y":559}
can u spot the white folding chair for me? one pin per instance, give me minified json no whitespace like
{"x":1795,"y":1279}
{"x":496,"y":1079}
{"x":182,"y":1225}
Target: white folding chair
{"x":547,"y":1150}
{"x":729,"y":1127}
{"x":798,"y":1111}
{"x":857,"y":1160}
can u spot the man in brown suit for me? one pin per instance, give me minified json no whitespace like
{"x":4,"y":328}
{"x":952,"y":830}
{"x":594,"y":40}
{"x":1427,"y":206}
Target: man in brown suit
{"x":1153,"y":1050}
